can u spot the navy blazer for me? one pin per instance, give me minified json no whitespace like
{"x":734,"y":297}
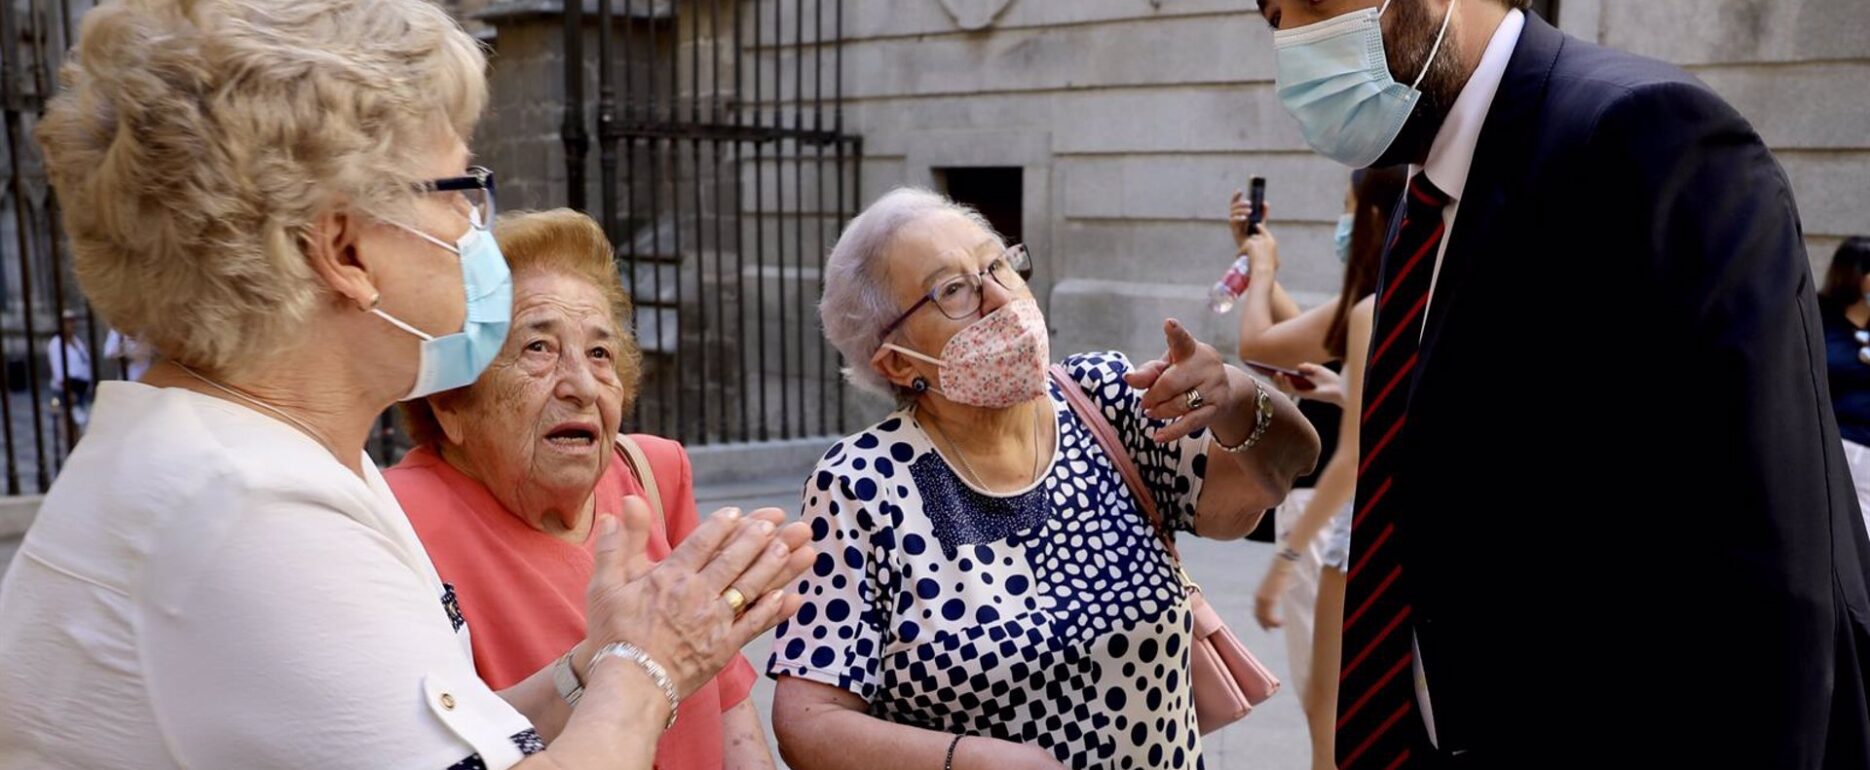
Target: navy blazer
{"x":1629,"y":532}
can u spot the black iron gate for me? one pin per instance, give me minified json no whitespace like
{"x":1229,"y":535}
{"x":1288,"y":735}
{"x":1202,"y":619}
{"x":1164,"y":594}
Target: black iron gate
{"x":724,"y":174}
{"x":41,"y":413}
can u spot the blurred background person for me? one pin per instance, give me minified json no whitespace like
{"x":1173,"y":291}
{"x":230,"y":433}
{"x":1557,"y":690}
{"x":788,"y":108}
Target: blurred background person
{"x":70,"y":360}
{"x":1303,"y":589}
{"x":1844,"y":303}
{"x":133,"y":357}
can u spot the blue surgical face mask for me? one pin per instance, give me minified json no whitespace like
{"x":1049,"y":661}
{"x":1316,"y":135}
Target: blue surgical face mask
{"x":1334,"y":78}
{"x":1342,"y":239}
{"x":457,"y":360}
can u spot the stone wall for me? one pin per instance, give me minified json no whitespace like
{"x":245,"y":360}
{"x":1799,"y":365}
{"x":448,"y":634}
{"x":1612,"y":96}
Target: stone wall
{"x":1798,"y":69}
{"x":1133,"y":120}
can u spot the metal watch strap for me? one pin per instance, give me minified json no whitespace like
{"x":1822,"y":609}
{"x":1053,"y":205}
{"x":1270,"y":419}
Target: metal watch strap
{"x":566,"y":678}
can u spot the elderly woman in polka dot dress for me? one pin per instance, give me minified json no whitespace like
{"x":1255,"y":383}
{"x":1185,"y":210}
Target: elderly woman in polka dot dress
{"x":989,"y":594}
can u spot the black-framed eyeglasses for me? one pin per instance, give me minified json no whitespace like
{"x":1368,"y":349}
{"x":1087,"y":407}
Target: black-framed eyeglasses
{"x":960,"y":296}
{"x":475,"y":190}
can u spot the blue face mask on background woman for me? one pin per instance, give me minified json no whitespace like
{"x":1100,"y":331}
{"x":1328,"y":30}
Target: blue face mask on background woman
{"x":1334,"y":78}
{"x":457,"y":360}
{"x":1342,"y":239}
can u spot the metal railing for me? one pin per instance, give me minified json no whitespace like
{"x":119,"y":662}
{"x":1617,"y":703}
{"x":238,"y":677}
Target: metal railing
{"x":724,"y":270}
{"x":723,"y":182}
{"x":41,"y":414}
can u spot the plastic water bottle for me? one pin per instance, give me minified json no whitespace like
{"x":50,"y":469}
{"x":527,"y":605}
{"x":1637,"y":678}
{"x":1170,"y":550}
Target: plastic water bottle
{"x":1226,"y":291}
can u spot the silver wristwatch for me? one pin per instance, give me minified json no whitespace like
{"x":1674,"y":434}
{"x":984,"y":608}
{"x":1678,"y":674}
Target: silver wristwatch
{"x":566,"y":678}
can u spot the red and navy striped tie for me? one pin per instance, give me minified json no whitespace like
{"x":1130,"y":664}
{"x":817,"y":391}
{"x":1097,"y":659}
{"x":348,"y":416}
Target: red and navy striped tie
{"x":1378,"y":722}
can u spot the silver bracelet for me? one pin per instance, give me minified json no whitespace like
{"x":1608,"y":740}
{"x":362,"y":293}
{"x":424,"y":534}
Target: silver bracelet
{"x":634,"y":654}
{"x":1262,"y":419}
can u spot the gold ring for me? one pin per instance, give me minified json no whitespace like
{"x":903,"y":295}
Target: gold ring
{"x":1194,"y":400}
{"x":736,"y":600}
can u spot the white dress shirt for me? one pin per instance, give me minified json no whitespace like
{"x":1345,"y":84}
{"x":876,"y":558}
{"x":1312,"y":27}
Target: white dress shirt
{"x":1452,"y":154}
{"x":1449,"y":159}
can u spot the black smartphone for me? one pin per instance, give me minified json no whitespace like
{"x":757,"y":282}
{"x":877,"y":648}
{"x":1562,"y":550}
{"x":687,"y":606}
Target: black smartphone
{"x":1256,"y":196}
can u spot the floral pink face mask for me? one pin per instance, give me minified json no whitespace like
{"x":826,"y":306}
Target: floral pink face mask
{"x":996,"y":362}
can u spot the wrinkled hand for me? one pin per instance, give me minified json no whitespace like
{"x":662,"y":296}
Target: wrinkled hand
{"x":1189,"y":365}
{"x":674,"y":610}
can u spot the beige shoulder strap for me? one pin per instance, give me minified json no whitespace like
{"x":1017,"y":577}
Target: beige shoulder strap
{"x":639,"y":465}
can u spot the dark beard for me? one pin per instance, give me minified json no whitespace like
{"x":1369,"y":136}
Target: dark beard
{"x":1413,"y":30}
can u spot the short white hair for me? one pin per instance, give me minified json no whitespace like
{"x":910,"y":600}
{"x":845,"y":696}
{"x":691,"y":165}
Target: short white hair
{"x":857,"y":302}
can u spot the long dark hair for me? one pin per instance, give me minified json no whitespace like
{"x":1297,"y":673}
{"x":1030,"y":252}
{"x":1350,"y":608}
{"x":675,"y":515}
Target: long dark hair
{"x":1376,"y":192}
{"x":1844,"y":281}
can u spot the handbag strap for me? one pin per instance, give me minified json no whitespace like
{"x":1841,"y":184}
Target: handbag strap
{"x":639,"y":465}
{"x":1106,"y":435}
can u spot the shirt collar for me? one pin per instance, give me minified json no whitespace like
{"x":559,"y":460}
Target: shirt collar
{"x":1450,"y":157}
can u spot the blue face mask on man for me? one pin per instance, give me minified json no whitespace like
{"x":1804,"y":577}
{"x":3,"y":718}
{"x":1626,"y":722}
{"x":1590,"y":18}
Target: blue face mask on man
{"x":1333,"y":76}
{"x":457,"y":360}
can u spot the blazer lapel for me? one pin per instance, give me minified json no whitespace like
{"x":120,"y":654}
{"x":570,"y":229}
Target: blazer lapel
{"x":1502,"y":160}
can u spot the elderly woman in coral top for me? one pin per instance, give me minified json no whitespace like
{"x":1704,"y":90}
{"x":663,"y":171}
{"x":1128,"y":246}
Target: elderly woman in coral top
{"x":511,"y":472}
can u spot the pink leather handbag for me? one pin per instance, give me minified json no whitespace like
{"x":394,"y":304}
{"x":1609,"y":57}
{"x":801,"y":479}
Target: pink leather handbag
{"x":1227,"y":680}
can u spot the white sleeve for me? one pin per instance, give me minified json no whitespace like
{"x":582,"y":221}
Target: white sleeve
{"x":304,"y":641}
{"x":52,"y":358}
{"x":842,"y":647}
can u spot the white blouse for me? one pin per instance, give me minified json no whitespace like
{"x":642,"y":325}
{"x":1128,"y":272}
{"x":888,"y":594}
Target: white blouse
{"x":206,"y":587}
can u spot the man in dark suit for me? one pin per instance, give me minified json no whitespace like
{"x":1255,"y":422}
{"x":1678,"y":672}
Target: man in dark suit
{"x":1603,"y":516}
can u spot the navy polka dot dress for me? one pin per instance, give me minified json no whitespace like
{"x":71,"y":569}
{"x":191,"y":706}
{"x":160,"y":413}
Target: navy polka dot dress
{"x":1051,"y":616}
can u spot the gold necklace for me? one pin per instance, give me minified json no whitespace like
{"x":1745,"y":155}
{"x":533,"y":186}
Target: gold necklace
{"x":251,"y":401}
{"x":975,"y":476}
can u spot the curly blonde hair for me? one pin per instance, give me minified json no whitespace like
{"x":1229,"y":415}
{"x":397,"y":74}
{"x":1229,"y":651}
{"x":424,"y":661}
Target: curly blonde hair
{"x":561,"y":241}
{"x":196,"y":141}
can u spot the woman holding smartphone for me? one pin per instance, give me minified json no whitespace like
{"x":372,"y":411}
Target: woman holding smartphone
{"x":1279,"y":338}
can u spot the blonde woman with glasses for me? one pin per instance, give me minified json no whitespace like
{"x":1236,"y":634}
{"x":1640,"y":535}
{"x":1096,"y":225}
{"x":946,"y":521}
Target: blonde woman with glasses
{"x":276,"y":196}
